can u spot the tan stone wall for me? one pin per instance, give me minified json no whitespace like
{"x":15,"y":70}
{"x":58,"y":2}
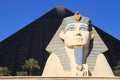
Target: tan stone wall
{"x":56,"y":78}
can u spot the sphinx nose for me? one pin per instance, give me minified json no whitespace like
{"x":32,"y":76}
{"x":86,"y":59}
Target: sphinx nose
{"x":78,"y":33}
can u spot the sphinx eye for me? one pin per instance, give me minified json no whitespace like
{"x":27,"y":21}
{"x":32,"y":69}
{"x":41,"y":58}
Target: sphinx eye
{"x":71,"y":28}
{"x":83,"y":29}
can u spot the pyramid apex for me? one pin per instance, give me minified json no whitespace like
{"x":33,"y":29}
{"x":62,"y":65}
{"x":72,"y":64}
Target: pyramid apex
{"x":60,"y":6}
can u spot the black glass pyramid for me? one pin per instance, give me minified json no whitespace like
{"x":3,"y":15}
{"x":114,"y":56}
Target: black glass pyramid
{"x":31,"y":41}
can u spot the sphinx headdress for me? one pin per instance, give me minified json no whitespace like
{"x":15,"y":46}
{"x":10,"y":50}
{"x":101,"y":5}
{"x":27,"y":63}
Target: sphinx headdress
{"x":56,"y":45}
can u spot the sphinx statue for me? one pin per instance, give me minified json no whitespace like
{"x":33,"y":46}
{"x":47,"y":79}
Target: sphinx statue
{"x":76,"y":50}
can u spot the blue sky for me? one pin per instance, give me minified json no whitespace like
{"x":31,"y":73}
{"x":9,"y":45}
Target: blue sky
{"x":15,"y":14}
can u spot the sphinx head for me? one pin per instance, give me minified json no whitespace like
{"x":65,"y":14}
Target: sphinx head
{"x":76,"y":34}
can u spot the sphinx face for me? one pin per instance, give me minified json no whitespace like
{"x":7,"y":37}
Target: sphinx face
{"x":76,"y":34}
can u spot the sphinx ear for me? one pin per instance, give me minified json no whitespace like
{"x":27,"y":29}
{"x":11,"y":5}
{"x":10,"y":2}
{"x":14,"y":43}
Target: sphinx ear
{"x":92,"y":35}
{"x":62,"y":35}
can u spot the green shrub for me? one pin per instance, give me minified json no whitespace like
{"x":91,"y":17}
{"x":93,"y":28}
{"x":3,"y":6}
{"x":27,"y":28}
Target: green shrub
{"x":21,"y":73}
{"x":4,"y":71}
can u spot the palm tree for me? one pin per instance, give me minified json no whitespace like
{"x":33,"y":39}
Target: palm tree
{"x":4,"y":71}
{"x":117,"y":69}
{"x":30,"y":64}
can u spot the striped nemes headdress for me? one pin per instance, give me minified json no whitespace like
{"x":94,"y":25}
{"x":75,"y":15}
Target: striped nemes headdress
{"x":56,"y":45}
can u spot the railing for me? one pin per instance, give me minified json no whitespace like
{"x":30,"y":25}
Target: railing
{"x":56,"y":78}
